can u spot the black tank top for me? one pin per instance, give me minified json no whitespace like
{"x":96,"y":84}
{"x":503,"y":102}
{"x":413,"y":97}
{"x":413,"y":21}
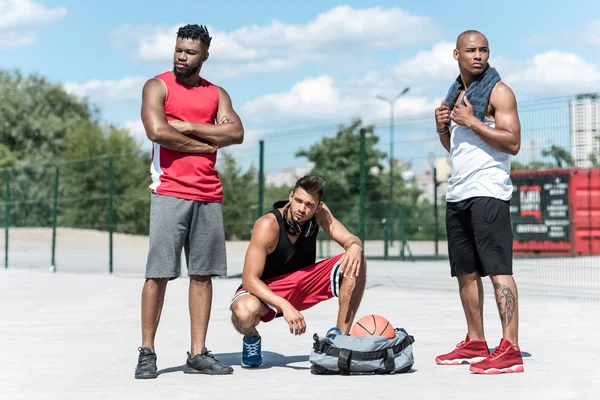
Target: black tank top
{"x":288,"y":257}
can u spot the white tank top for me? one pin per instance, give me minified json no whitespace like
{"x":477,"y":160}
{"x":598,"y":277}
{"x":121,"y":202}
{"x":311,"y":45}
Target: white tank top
{"x":478,"y":170}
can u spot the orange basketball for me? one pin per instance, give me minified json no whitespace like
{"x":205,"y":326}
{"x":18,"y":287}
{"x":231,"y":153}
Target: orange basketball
{"x":374,"y":325}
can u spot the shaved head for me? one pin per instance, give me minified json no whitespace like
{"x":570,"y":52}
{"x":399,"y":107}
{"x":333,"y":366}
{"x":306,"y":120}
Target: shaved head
{"x":472,"y":53}
{"x":468,"y":36}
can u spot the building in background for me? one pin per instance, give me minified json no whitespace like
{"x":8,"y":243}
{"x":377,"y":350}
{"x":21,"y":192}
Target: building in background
{"x":287,"y":176}
{"x":584,"y":112}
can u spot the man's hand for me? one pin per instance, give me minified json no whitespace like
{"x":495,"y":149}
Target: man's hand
{"x":181,"y":126}
{"x":294,"y":319}
{"x":463,"y":115}
{"x":442,"y":117}
{"x":186,"y":128}
{"x":350,"y":261}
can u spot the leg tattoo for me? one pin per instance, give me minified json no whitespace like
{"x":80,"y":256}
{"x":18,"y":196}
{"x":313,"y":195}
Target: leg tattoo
{"x":506,"y":303}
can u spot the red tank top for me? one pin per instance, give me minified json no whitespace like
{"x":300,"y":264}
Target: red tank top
{"x":187,"y":175}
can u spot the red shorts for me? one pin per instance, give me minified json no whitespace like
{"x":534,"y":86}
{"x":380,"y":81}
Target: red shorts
{"x":303,"y":288}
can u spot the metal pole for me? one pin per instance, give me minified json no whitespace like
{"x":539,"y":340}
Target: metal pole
{"x":363,"y":185}
{"x":386,"y":227}
{"x":391,"y":155}
{"x":435,"y":210}
{"x":54,"y":217}
{"x":392,"y":167}
{"x":261,"y":177}
{"x":6,"y":215}
{"x":111,"y":194}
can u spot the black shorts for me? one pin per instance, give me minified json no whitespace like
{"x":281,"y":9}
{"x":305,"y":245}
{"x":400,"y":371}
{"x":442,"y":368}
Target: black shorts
{"x":480,"y":236}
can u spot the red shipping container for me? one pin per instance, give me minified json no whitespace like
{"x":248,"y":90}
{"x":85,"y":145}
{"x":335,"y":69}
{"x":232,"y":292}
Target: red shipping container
{"x":556,"y":211}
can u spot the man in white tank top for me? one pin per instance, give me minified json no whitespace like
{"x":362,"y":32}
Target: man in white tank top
{"x":477,"y":215}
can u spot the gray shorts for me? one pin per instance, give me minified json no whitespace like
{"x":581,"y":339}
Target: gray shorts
{"x":194,"y":226}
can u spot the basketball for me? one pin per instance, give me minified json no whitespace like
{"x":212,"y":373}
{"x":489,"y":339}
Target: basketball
{"x":374,"y":325}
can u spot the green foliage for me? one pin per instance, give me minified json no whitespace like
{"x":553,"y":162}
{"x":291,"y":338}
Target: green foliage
{"x":239,"y":197}
{"x":35,"y":116}
{"x":561,"y":156}
{"x":337,"y":159}
{"x":85,"y":180}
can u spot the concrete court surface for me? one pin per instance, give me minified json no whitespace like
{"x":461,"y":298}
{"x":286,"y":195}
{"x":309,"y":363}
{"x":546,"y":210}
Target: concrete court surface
{"x":75,"y":335}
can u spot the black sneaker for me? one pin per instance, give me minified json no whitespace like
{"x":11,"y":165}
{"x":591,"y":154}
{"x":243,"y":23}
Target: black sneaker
{"x":146,"y":367}
{"x":205,"y":363}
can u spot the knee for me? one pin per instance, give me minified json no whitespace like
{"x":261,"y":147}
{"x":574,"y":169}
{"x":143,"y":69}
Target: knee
{"x":246,"y":310}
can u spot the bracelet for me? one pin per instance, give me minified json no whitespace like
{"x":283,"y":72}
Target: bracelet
{"x":443,"y":133}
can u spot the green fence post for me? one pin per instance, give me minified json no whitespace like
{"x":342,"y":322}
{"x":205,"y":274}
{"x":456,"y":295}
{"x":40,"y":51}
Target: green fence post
{"x":435,"y":211}
{"x":386,"y":228}
{"x":402,"y":233}
{"x":261,"y":177}
{"x":111,"y":194}
{"x":6,"y":214}
{"x":363,"y":185}
{"x":54,"y":218}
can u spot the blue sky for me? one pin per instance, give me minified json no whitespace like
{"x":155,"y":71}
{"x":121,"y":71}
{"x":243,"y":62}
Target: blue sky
{"x":302,"y":64}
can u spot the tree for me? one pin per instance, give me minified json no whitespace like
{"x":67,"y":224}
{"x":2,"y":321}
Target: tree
{"x":239,"y":198}
{"x":532,"y":166}
{"x":560,"y":155}
{"x":35,"y":116}
{"x":337,"y":159}
{"x":85,"y":179}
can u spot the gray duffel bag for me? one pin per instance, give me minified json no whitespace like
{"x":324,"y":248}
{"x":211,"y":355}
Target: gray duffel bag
{"x":349,"y":355}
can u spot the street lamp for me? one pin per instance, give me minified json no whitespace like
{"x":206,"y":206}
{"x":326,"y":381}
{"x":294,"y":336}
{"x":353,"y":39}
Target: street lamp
{"x":432,"y":163}
{"x":391,"y":103}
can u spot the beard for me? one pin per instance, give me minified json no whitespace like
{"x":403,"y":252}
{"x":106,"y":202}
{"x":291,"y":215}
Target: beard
{"x":185,"y":72}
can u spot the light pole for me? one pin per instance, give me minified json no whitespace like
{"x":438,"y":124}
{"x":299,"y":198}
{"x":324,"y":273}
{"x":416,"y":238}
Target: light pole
{"x":432,"y":163}
{"x":391,"y":103}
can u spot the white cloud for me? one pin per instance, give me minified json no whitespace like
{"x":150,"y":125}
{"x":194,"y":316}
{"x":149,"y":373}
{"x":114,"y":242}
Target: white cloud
{"x":588,"y":33}
{"x":341,"y":30}
{"x":218,"y":71}
{"x":592,"y":33}
{"x":322,"y":99}
{"x":16,"y":15}
{"x":9,"y":40}
{"x":137,"y":132}
{"x":426,"y":69}
{"x":128,"y":88}
{"x":554,"y":72}
{"x":135,"y":128}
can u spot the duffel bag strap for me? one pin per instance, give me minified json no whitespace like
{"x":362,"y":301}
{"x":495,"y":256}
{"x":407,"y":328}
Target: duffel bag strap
{"x":372,"y":355}
{"x":390,"y":362}
{"x":344,"y":361}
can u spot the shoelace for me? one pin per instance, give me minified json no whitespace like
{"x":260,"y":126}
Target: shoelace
{"x":252,"y":349}
{"x":146,"y":359}
{"x":461,"y":344}
{"x":497,"y":351}
{"x":209,"y":354}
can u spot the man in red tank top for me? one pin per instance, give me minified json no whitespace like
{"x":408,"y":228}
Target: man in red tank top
{"x":180,"y":111}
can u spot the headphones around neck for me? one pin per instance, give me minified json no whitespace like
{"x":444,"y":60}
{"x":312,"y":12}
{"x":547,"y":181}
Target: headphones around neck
{"x":294,"y":229}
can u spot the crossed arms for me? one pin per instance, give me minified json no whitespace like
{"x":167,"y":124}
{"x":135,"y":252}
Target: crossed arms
{"x":186,"y":136}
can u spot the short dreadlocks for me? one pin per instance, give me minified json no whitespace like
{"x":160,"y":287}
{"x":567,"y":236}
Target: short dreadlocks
{"x":195,"y":32}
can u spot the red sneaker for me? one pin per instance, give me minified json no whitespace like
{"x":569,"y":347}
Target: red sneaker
{"x":506,"y":358}
{"x":466,"y":352}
